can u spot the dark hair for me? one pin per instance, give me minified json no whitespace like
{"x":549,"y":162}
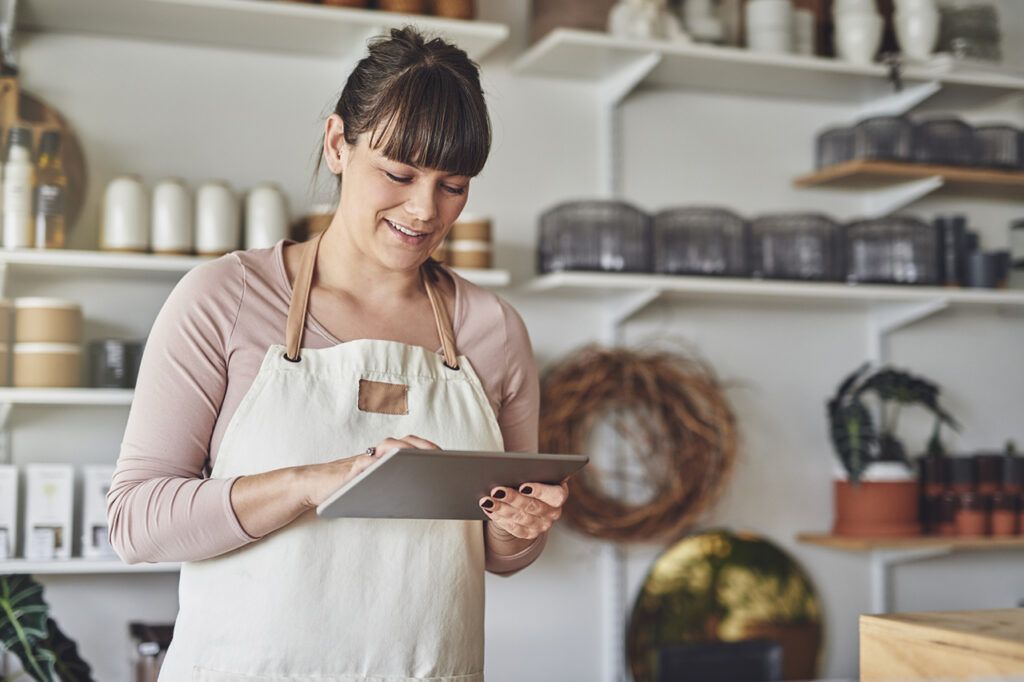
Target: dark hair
{"x":420,"y":101}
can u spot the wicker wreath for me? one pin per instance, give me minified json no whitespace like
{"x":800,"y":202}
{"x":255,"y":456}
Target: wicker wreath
{"x":672,"y":413}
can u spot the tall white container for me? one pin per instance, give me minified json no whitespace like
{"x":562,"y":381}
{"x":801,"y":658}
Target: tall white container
{"x":49,"y":508}
{"x":95,"y":537}
{"x":171,"y":222}
{"x":17,"y":189}
{"x":218,"y":219}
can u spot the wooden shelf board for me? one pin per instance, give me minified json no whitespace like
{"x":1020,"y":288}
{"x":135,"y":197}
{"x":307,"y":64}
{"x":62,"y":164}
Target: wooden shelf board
{"x":855,"y":544}
{"x":594,"y":58}
{"x":82,"y":567}
{"x":262,"y":25}
{"x":599,"y":285}
{"x":867,"y":174}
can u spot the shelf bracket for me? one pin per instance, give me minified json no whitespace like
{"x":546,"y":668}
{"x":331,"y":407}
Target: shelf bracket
{"x":882,"y":562}
{"x":882,"y":202}
{"x":884,"y":320}
{"x":625,"y":306}
{"x":613,"y":90}
{"x":900,"y":102}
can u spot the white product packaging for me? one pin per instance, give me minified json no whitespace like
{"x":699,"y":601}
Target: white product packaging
{"x":49,"y":506}
{"x":95,"y":539}
{"x":8,"y":511}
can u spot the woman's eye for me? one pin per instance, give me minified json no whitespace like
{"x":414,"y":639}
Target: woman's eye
{"x":397,"y":178}
{"x":454,"y":190}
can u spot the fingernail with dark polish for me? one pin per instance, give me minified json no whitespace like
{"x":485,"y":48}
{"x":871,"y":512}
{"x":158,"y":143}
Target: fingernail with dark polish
{"x":487,"y":504}
{"x":526,"y":490}
{"x":499,"y":495}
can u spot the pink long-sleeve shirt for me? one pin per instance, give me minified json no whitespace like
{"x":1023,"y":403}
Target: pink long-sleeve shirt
{"x":203,"y":354}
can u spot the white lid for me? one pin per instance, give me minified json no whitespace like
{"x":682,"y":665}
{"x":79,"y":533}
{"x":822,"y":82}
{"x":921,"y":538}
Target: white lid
{"x":878,"y":472}
{"x":37,"y":302}
{"x":39,"y":347}
{"x":468,"y":245}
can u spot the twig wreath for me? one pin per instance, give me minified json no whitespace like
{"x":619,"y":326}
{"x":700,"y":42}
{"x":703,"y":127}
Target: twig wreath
{"x":672,"y":413}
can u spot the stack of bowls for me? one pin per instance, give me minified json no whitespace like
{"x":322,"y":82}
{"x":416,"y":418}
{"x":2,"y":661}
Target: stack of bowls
{"x":770,"y":25}
{"x":917,"y":27}
{"x":858,"y":30}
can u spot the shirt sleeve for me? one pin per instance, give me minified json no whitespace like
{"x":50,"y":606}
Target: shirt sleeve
{"x":161,"y":506}
{"x":518,"y":419}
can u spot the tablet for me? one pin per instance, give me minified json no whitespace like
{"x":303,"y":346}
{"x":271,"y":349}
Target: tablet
{"x":441,"y":484}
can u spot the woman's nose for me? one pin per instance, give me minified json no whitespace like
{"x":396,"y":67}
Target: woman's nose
{"x":422,"y":202}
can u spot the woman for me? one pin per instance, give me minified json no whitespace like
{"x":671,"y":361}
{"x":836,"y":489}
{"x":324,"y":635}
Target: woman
{"x":233,"y":438}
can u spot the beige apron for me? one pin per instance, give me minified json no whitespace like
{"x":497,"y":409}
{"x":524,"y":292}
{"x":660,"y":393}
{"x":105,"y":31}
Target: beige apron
{"x":343,"y":599}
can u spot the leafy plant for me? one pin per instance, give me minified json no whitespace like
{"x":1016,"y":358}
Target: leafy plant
{"x":857,"y":440}
{"x":27,"y":631}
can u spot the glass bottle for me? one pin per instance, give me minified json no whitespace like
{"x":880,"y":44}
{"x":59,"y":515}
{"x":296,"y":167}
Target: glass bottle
{"x":51,"y":188}
{"x":17,"y":189}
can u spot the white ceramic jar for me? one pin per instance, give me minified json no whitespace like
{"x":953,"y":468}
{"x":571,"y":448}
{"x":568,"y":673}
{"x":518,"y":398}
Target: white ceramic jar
{"x":218,"y":220}
{"x":266,"y":216}
{"x":917,"y":27}
{"x":769,"y":25}
{"x":171,"y":218}
{"x":125,"y":225}
{"x":858,"y":37}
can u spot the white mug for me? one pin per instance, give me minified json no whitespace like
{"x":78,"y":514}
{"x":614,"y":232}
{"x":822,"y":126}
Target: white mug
{"x":125,"y":224}
{"x":218,"y":223}
{"x":172,"y":218}
{"x":266,"y":216}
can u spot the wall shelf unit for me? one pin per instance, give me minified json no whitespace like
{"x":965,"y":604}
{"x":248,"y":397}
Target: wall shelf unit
{"x":260,"y":25}
{"x":885,"y":553}
{"x":82,"y":567}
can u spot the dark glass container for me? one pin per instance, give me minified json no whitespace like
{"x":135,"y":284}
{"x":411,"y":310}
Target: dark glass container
{"x":700,"y":241}
{"x":884,"y":138}
{"x":988,"y":469}
{"x":945,"y":141}
{"x":962,"y":474}
{"x":803,"y":246}
{"x":834,"y":146}
{"x":1000,"y":146}
{"x":949,"y":504}
{"x":606,"y":236}
{"x":893,"y":250}
{"x":933,"y":473}
{"x":1013,"y":473}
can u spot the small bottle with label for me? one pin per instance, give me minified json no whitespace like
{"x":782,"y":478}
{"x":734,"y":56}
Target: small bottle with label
{"x":51,"y":186}
{"x":18,"y":184}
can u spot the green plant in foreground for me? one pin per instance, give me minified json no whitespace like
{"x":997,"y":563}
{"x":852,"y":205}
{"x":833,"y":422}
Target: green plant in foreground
{"x":856,"y":439}
{"x":27,"y":631}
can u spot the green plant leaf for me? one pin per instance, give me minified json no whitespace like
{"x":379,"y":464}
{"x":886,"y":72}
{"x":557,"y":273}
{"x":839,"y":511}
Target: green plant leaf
{"x":853,"y":436}
{"x":69,"y":665}
{"x":23,"y":614}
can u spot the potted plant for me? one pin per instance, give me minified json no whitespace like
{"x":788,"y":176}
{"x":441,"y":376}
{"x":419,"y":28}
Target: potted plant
{"x":27,"y":631}
{"x":877,"y":493}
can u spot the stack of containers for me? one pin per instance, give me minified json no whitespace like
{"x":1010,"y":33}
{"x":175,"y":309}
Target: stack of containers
{"x":469,"y":243}
{"x":47,"y":343}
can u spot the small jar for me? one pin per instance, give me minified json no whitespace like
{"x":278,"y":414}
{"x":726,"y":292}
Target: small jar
{"x":989,"y":470}
{"x":933,"y":473}
{"x":1013,"y":474}
{"x":962,"y":475}
{"x":1005,"y":514}
{"x":972,"y":515}
{"x":949,"y":503}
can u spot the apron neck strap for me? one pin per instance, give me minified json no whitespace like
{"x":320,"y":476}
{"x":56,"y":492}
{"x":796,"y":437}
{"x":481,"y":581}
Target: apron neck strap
{"x":297,"y":309}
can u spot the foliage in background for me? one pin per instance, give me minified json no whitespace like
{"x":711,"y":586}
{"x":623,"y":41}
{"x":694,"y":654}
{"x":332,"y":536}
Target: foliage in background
{"x":855,"y":437}
{"x":26,"y":630}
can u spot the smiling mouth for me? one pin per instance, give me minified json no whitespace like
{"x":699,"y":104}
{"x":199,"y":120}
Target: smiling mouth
{"x":405,"y":230}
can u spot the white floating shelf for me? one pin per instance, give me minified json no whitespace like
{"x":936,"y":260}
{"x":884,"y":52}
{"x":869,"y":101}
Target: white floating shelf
{"x":599,"y":285}
{"x":82,"y":567}
{"x":107,"y":263}
{"x":599,"y":58}
{"x":263,"y":25}
{"x":66,"y":396}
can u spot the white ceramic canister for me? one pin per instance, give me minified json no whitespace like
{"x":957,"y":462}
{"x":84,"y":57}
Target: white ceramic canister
{"x":266,"y":216}
{"x":858,"y":37}
{"x":171,"y":218}
{"x":47,"y":320}
{"x":218,"y":219}
{"x":47,"y":365}
{"x":125,"y":224}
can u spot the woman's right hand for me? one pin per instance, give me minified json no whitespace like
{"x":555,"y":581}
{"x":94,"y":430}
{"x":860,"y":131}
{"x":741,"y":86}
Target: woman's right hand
{"x":322,"y":480}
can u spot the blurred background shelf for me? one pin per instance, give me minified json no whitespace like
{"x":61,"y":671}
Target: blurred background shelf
{"x":261,"y":25}
{"x":598,"y":58}
{"x":600,"y":285}
{"x":866,"y":174}
{"x":66,"y":396}
{"x":82,"y":567}
{"x":951,"y":543}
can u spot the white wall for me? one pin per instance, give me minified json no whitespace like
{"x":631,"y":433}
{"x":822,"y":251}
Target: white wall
{"x":160,"y":109}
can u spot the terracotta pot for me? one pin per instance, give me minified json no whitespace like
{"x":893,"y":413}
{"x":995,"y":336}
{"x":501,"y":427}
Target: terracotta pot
{"x":876,"y":509}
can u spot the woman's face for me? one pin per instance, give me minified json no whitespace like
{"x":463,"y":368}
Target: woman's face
{"x":395,"y":213}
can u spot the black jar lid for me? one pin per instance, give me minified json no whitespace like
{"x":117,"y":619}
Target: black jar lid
{"x":962,"y":470}
{"x":989,"y":467}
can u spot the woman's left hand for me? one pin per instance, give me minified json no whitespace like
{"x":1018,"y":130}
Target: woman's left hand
{"x":528,"y":512}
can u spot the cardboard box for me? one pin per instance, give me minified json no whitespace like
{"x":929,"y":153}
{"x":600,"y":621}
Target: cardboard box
{"x":95,"y":536}
{"x":8,"y":511}
{"x":49,"y":508}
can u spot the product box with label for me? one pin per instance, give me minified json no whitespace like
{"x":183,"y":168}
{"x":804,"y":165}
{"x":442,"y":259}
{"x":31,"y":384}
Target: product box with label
{"x":49,"y":505}
{"x":95,"y":539}
{"x":8,"y":511}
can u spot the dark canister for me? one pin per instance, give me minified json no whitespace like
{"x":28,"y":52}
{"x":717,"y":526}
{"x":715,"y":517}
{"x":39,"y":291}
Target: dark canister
{"x":988,"y":468}
{"x":949,"y":504}
{"x":109,"y":365}
{"x":1013,"y":473}
{"x":962,"y":474}
{"x":135,"y":349}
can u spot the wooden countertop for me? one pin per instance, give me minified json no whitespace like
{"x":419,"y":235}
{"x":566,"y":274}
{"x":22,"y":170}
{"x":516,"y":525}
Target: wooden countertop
{"x":948,"y":645}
